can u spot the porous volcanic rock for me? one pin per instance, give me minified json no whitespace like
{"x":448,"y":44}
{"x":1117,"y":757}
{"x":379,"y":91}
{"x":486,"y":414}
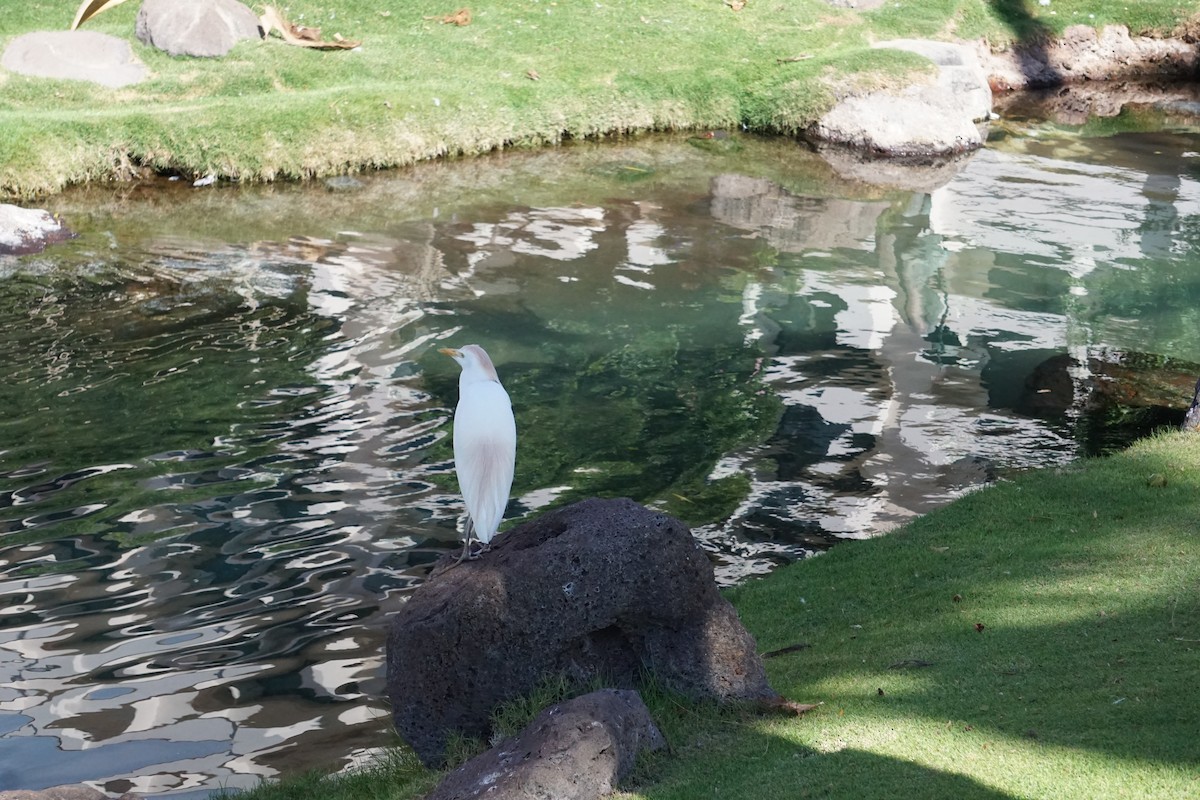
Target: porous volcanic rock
{"x":202,"y":28}
{"x":602,"y":589}
{"x":28,"y":230}
{"x":576,"y":750}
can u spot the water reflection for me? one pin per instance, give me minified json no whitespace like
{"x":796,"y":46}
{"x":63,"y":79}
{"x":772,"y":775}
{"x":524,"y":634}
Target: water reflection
{"x":225,"y":456}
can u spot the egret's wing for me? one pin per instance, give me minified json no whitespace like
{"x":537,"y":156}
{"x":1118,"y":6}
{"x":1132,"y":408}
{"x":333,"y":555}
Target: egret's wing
{"x":485,"y":449}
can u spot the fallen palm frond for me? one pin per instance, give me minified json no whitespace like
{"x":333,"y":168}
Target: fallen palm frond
{"x":299,"y":35}
{"x":90,"y":8}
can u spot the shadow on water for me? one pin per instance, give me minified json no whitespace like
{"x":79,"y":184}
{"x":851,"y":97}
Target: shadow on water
{"x":225,"y":456}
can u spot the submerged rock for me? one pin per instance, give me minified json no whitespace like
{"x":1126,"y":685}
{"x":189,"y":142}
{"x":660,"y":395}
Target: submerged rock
{"x":75,"y":55}
{"x":576,"y":750}
{"x":202,"y":28}
{"x":28,"y":230}
{"x":603,"y":589}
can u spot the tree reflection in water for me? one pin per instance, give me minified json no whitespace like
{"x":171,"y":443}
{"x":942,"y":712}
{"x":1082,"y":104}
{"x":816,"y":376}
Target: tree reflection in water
{"x":225,"y":456}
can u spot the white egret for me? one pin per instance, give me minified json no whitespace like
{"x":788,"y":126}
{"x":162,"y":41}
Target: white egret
{"x":485,"y":444}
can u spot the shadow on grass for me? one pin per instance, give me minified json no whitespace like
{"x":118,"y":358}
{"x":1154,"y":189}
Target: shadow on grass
{"x":1033,"y":37}
{"x":805,"y":773}
{"x":1084,"y":584}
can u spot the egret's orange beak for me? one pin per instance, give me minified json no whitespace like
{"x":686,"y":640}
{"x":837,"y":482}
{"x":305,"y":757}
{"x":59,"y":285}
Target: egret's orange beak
{"x":449,"y":351}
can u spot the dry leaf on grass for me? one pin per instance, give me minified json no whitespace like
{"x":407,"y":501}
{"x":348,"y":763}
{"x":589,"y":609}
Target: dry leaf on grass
{"x":300,"y":35}
{"x":791,"y":707}
{"x":736,"y":5}
{"x":793,"y":59}
{"x":532,"y":75}
{"x":459,"y":18}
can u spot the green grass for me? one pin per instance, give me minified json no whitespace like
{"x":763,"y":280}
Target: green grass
{"x":1081,"y":683}
{"x":419,"y":89}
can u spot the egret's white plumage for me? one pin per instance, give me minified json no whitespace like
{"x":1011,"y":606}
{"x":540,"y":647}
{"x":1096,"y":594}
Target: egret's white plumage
{"x":485,"y":442}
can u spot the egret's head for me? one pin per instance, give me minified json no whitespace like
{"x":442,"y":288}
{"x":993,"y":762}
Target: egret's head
{"x":475,"y":363}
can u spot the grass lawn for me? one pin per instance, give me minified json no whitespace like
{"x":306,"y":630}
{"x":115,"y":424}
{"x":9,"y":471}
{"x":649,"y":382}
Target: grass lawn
{"x":1036,"y":639}
{"x":420,"y":89}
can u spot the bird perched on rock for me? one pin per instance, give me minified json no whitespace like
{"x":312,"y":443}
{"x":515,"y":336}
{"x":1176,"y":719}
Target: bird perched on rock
{"x":485,"y":444}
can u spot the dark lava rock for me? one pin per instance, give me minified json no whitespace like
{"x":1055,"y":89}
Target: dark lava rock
{"x":203,"y":28}
{"x":577,"y":750}
{"x":602,"y":589}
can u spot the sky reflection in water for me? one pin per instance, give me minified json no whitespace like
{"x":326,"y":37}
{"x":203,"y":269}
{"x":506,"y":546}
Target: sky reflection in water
{"x":225,"y":452}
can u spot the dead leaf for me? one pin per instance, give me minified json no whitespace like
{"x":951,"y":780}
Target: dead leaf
{"x":532,"y":75}
{"x":957,"y":598}
{"x":736,"y":5}
{"x":790,"y":707}
{"x":793,"y":59}
{"x":979,"y":626}
{"x":301,"y":35}
{"x":459,"y":18}
{"x":90,"y":8}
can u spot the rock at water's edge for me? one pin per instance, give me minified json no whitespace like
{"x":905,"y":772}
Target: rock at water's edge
{"x":920,"y":121}
{"x":602,"y":589}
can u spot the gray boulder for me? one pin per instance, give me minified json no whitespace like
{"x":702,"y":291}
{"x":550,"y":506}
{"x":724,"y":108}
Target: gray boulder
{"x":577,"y":750}
{"x":602,"y":589}
{"x":28,"y":230}
{"x":74,"y":55}
{"x":920,"y":121}
{"x":202,"y":28}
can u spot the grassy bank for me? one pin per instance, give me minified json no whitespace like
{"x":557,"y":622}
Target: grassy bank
{"x":1037,"y":639}
{"x":420,"y":89}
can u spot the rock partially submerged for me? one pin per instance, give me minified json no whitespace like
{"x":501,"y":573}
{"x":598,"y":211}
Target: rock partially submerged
{"x":576,"y":750}
{"x":28,"y":230}
{"x":200,"y":28}
{"x":920,"y":121}
{"x":603,"y":589}
{"x":75,"y":55}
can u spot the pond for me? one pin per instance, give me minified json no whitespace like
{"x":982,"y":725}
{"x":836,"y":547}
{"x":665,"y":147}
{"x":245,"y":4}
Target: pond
{"x":224,"y":457}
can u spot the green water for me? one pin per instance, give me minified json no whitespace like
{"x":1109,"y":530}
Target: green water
{"x":224,"y":456}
